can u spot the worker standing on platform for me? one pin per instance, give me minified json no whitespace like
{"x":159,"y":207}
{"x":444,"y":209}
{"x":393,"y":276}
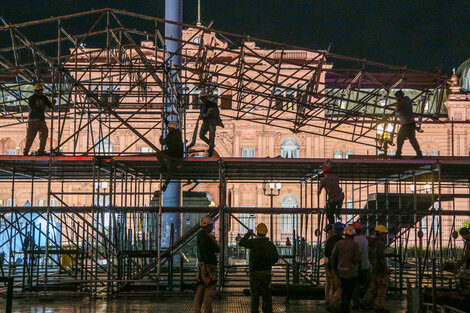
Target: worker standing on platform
{"x":345,"y":259}
{"x":207,"y":247}
{"x":333,"y":284}
{"x":465,"y":233}
{"x":362,"y":282}
{"x":36,"y":121}
{"x":380,"y":271}
{"x":404,"y":109}
{"x":210,"y":116}
{"x":263,"y":255}
{"x":173,"y":154}
{"x":335,"y":195}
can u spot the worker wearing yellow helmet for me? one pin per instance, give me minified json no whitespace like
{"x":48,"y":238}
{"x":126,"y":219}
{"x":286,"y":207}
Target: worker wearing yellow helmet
{"x":36,"y":121}
{"x":380,"y":271}
{"x":263,"y":255}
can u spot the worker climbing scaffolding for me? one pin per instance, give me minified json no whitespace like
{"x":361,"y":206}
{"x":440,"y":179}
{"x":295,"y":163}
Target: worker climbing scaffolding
{"x":171,"y":157}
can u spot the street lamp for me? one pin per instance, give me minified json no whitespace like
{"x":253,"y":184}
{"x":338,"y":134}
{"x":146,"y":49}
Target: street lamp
{"x":271,"y":189}
{"x":384,"y":135}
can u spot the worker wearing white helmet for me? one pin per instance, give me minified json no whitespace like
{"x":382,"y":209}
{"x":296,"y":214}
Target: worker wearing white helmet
{"x":380,"y":272}
{"x":207,"y":247}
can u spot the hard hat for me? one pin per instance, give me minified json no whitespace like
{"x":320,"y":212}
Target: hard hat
{"x":206,"y":220}
{"x":381,"y":229}
{"x":328,"y":227}
{"x":399,"y":94}
{"x":326,"y":169}
{"x":357,"y":225}
{"x":349,"y":230}
{"x":38,"y":87}
{"x":261,"y":229}
{"x":338,"y":227}
{"x":173,"y":124}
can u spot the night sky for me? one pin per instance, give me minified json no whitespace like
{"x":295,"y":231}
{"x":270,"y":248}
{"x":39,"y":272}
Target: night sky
{"x":420,"y":34}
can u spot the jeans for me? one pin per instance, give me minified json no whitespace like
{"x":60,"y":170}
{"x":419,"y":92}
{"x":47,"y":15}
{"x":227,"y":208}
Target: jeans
{"x":362,"y":283}
{"x":172,"y":162}
{"x":35,"y":126}
{"x":347,"y":285}
{"x":206,"y":288}
{"x":408,"y":131}
{"x":332,"y":208}
{"x":208,"y":126}
{"x":260,"y":285}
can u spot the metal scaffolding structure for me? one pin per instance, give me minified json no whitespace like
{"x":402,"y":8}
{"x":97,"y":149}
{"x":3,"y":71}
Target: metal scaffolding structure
{"x":117,"y":75}
{"x":111,"y":68}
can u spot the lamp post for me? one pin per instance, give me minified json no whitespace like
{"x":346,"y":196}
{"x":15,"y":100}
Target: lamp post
{"x":271,"y":189}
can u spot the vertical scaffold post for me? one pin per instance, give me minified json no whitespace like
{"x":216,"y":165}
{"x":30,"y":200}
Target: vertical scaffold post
{"x":159,"y":240}
{"x":222,"y":228}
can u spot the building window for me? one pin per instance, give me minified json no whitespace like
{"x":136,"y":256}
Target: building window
{"x":11,"y":152}
{"x":101,"y":200}
{"x":338,"y":154}
{"x":349,"y":205}
{"x":424,"y":152}
{"x":434,"y":153}
{"x":145,"y":150}
{"x":1,"y":202}
{"x":249,"y":220}
{"x":279,"y":103}
{"x":104,"y":146}
{"x":286,"y":221}
{"x":348,"y":153}
{"x":9,"y":202}
{"x":290,"y":148}
{"x":248,"y":152}
{"x":41,"y":202}
{"x":54,"y":202}
{"x":391,"y":152}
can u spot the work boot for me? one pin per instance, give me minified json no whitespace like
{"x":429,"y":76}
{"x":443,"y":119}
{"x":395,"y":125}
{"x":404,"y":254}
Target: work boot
{"x":40,"y":153}
{"x":397,"y":156}
{"x":25,"y":153}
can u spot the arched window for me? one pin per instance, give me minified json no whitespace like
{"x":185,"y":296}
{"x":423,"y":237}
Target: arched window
{"x":290,"y":148}
{"x":287,"y":220}
{"x":105,"y":146}
{"x":338,"y":154}
{"x":41,"y":202}
{"x":424,"y":152}
{"x":391,"y":152}
{"x":348,"y":153}
{"x":434,"y":153}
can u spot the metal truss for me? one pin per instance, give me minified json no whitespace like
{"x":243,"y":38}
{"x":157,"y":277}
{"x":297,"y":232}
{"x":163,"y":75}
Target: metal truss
{"x":109,"y":69}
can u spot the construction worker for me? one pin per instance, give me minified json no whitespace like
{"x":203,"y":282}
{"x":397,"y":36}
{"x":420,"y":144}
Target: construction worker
{"x":333,"y":284}
{"x":210,"y":116}
{"x":345,"y":259}
{"x":263,"y":255}
{"x":380,"y":271}
{"x":36,"y":120}
{"x":173,"y":154}
{"x":404,"y":109}
{"x":335,"y":195}
{"x":465,"y":233}
{"x":207,"y":247}
{"x":362,"y":282}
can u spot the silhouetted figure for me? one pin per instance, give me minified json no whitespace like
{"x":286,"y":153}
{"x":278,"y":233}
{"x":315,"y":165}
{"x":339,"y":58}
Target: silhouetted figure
{"x":36,"y":120}
{"x":210,"y":116}
{"x":173,"y":154}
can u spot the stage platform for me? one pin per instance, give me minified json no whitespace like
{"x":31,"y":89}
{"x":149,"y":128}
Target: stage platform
{"x":356,"y":168}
